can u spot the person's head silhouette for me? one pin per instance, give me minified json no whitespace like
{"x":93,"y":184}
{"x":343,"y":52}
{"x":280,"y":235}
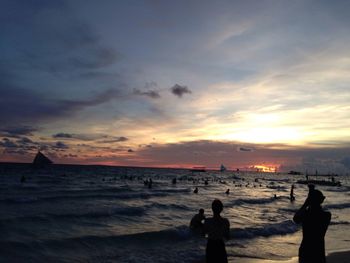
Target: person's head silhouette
{"x":217,"y":207}
{"x":316,"y":198}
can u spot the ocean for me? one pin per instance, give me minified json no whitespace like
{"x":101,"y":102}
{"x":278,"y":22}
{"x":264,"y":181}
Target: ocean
{"x":72,"y":213}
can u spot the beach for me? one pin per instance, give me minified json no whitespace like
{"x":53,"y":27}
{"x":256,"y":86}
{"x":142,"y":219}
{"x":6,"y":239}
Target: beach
{"x":334,"y":257}
{"x":108,"y":214}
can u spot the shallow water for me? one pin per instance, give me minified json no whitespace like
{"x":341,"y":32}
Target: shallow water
{"x":107,"y":214}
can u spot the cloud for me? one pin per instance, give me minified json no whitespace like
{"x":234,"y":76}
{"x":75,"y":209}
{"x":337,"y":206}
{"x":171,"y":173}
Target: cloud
{"x":103,"y":57}
{"x":63,"y":135}
{"x":6,"y":143}
{"x":40,"y":56}
{"x":98,"y":138}
{"x":244,"y":149}
{"x":179,"y":91}
{"x":149,"y":93}
{"x":60,"y":44}
{"x":60,"y":145}
{"x":15,"y":131}
{"x":25,"y":140}
{"x":22,"y":105}
{"x":116,"y":139}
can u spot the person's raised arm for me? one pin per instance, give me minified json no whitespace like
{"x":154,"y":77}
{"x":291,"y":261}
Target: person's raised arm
{"x":299,"y":215}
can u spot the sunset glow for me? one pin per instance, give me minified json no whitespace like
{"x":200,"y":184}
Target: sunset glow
{"x":265,"y":168}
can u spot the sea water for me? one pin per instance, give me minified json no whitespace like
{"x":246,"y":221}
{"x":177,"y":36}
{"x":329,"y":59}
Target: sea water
{"x":66,"y":213}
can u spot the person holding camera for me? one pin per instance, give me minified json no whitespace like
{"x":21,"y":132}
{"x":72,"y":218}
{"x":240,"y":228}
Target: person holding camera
{"x":314,"y":221}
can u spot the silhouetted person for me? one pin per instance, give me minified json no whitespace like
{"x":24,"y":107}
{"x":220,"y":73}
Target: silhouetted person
{"x":196,"y":224}
{"x":315,"y":222}
{"x":206,"y":182}
{"x":23,"y":179}
{"x":150,"y":183}
{"x":227,"y":191}
{"x":218,"y":229}
{"x":174,"y":181}
{"x":195,"y":190}
{"x":292,"y":197}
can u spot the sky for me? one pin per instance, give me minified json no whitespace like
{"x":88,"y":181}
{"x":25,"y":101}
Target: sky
{"x":177,"y":83}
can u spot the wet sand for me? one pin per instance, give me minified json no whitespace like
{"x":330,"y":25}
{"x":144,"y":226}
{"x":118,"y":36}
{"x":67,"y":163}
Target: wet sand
{"x":334,"y":257}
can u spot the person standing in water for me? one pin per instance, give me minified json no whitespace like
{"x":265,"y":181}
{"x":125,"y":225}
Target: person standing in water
{"x":218,"y":229}
{"x":292,"y":197}
{"x":196,"y":224}
{"x":315,"y":222}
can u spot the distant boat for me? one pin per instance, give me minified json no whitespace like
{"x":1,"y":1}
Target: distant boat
{"x":294,"y":172}
{"x":320,"y":182}
{"x":222,"y":168}
{"x":41,"y":160}
{"x":330,"y":182}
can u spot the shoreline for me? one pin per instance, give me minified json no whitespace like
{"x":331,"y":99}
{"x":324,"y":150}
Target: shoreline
{"x":338,"y":256}
{"x":332,"y":257}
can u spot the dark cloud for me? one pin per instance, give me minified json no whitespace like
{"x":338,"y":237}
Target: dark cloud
{"x":149,"y":93}
{"x":25,"y":140}
{"x":179,"y":91}
{"x":21,"y":105}
{"x":16,"y":131}
{"x":70,"y":155}
{"x":60,"y":145}
{"x":6,"y":143}
{"x":99,"y":138}
{"x":15,"y":151}
{"x":145,"y":145}
{"x":116,"y":139}
{"x":63,"y":135}
{"x":45,"y":44}
{"x":60,"y":44}
{"x":244,"y":149}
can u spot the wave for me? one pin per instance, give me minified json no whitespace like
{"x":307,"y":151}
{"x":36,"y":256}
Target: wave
{"x":340,"y":223}
{"x":128,"y":212}
{"x":120,"y":211}
{"x":255,"y":201}
{"x":107,"y":196}
{"x":171,"y":235}
{"x":169,"y":206}
{"x":337,"y":206}
{"x":281,"y":228}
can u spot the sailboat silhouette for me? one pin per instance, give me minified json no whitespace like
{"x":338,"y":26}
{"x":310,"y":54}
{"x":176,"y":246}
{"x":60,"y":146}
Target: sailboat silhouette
{"x":41,"y":160}
{"x":222,"y":168}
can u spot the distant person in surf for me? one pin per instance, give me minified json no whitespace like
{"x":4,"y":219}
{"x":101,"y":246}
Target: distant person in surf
{"x":195,"y":190}
{"x":218,"y":229}
{"x":197,"y":222}
{"x":315,"y":222}
{"x":227,"y":191}
{"x":292,"y":197}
